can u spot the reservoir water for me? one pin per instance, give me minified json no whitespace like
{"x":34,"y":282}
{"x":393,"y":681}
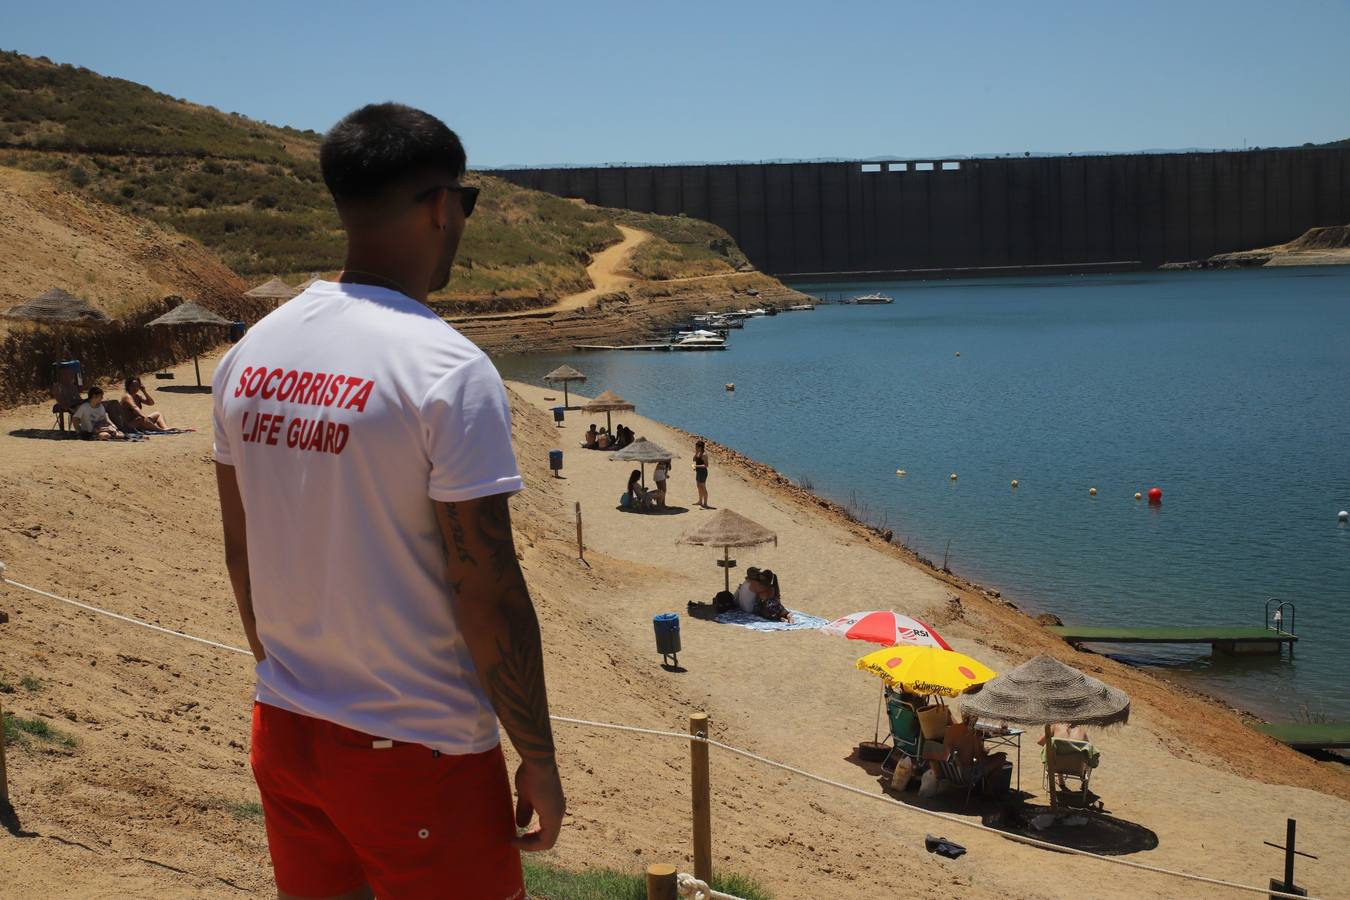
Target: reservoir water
{"x":1228,"y":390}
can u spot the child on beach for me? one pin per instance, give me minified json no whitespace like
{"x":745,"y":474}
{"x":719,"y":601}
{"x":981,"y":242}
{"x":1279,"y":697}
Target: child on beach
{"x":91,"y":419}
{"x":660,"y":476}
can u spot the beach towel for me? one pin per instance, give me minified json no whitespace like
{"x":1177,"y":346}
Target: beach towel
{"x":800,"y":621}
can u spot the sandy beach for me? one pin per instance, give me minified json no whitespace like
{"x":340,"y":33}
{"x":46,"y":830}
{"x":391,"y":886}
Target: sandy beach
{"x":151,"y":800}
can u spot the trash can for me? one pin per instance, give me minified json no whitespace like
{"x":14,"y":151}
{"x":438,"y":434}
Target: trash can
{"x":667,"y":626}
{"x":237,"y":330}
{"x":558,"y":414}
{"x":555,"y":461}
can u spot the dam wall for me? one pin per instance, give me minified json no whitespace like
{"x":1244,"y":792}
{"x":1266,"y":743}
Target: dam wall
{"x":912,"y":216}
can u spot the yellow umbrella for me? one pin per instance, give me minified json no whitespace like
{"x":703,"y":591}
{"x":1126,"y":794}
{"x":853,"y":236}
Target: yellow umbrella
{"x":926,"y":670}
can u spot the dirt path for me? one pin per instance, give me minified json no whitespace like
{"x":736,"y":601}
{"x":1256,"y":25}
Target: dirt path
{"x":604,"y":271}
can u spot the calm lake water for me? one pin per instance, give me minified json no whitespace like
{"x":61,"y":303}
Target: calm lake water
{"x":1228,"y":390}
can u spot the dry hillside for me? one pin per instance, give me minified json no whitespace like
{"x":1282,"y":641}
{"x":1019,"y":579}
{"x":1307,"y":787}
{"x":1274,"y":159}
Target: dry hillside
{"x":53,"y":236}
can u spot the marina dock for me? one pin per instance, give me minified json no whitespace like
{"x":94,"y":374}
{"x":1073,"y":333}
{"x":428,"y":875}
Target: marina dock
{"x":1315,"y":736}
{"x":1231,"y":639}
{"x":657,"y":347}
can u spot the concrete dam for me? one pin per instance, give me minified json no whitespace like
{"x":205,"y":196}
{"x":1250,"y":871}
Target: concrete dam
{"x":959,"y":216}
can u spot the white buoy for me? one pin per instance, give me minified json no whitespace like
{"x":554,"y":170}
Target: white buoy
{"x":958,"y":352}
{"x":1138,"y":496}
{"x":1014,"y":482}
{"x":731,"y":386}
{"x":1343,"y":515}
{"x":901,"y":472}
{"x":953,"y":476}
{"x":1092,"y":492}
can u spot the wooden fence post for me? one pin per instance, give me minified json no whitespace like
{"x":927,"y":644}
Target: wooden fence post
{"x":661,"y":883}
{"x":702,"y":802}
{"x":581,"y":548}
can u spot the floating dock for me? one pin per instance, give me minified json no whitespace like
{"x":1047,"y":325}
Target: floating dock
{"x":1323,"y":736}
{"x":658,"y":347}
{"x":1232,"y":639}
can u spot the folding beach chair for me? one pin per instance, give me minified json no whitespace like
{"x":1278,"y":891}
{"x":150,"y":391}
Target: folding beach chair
{"x":1066,"y":759}
{"x":906,"y":736}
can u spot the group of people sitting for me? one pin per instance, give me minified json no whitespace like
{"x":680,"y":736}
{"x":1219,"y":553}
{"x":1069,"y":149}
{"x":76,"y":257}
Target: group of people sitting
{"x":601,"y":439}
{"x":759,"y":594}
{"x":95,"y":419}
{"x":638,"y":498}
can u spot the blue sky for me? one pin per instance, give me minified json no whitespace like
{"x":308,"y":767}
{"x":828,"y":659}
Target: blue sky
{"x":594,"y":82}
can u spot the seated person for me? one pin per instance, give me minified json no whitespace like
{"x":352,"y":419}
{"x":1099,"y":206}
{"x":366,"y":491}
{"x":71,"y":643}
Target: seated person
{"x":769,"y":603}
{"x":1061,"y":730}
{"x":66,"y":392}
{"x":604,"y":441}
{"x":620,"y":433}
{"x":747,"y":595}
{"x":91,"y":419}
{"x":134,"y":401}
{"x":637,"y":497}
{"x":592,"y":435}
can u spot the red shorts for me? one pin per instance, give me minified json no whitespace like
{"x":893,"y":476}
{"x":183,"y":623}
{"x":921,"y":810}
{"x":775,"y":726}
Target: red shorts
{"x":406,"y":820}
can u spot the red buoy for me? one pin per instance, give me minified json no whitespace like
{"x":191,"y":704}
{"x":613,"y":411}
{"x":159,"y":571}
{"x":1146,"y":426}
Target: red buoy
{"x":1155,"y":495}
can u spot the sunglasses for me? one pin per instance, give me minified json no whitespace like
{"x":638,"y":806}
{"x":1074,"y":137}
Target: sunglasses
{"x":468,"y":196}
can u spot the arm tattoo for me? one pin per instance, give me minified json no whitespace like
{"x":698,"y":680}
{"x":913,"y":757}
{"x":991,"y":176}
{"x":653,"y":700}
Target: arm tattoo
{"x":494,"y":531}
{"x":516,"y":688}
{"x":457,"y":536}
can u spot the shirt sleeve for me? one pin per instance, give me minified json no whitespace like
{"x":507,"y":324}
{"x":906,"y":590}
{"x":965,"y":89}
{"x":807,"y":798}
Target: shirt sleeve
{"x":220,"y":437}
{"x":466,"y":423}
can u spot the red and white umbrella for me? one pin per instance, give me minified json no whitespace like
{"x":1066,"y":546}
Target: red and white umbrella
{"x":886,"y":628}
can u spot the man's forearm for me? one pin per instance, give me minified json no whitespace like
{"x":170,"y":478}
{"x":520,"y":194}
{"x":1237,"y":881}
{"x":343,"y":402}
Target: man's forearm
{"x":498,"y":621}
{"x":243,"y":599}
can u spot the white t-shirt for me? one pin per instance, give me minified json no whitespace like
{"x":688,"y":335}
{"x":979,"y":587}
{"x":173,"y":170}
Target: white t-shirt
{"x":345,"y":413}
{"x":89,"y":419}
{"x":745,"y":597}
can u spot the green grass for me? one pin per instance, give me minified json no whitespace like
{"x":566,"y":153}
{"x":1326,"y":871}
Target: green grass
{"x":245,"y":810}
{"x":546,"y":882}
{"x":19,"y":730}
{"x":30,"y":684}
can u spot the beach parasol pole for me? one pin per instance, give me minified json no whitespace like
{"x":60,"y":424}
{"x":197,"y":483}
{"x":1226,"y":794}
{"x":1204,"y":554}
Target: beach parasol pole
{"x":726,"y":566}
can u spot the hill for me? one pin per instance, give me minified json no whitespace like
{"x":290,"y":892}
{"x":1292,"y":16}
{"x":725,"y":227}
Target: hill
{"x":252,"y":192}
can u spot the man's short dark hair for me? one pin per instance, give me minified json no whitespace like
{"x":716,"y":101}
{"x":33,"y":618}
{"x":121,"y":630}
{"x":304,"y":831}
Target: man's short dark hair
{"x":382,"y":144}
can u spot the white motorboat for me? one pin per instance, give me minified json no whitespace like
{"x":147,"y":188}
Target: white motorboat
{"x":873,"y":298}
{"x":801,"y":307}
{"x":699,"y":340}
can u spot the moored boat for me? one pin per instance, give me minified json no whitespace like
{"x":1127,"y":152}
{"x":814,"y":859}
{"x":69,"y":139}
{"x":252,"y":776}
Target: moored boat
{"x":873,"y":298}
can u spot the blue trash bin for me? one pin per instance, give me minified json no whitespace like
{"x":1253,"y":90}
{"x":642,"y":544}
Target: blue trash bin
{"x":558,"y":414}
{"x":237,"y":330}
{"x":667,"y":626}
{"x":555,"y":461}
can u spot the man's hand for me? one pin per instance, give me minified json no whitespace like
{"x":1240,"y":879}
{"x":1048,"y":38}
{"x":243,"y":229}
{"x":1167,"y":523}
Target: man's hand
{"x":539,"y":791}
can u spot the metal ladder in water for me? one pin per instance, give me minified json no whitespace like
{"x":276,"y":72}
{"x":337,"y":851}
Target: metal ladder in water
{"x":1281,"y":622}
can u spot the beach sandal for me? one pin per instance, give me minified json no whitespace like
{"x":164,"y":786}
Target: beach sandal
{"x":943,"y":847}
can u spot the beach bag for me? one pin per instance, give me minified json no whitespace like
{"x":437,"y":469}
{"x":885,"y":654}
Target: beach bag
{"x":933,"y":721}
{"x":724,"y":601}
{"x":929,"y":786}
{"x":625,"y":500}
{"x":903,"y":774}
{"x":771,"y":609}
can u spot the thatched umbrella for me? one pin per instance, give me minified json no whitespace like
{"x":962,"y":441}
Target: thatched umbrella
{"x":729,"y":529}
{"x":564,"y":374}
{"x":58,"y":307}
{"x":609,"y":402}
{"x":1043,"y":691}
{"x":190,"y":314}
{"x":643,"y":451}
{"x":272,"y":289}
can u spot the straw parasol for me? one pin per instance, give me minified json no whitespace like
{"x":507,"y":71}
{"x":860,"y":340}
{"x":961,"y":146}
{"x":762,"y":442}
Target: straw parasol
{"x":272,"y":289}
{"x":1043,"y":691}
{"x":643,"y":451}
{"x":729,"y":529}
{"x":609,"y":402}
{"x":190,"y":314}
{"x":58,"y":307}
{"x":564,"y":374}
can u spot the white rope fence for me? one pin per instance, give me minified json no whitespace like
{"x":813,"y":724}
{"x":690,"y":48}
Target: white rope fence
{"x":688,"y":885}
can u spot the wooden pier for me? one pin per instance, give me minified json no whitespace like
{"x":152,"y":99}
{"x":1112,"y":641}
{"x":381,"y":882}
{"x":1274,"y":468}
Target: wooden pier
{"x":1230,"y":639}
{"x":1310,"y":736}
